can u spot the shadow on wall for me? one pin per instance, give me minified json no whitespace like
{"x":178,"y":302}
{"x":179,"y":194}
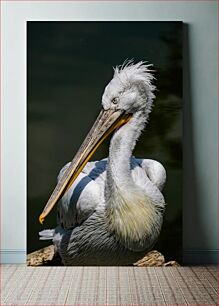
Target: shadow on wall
{"x":191,"y":200}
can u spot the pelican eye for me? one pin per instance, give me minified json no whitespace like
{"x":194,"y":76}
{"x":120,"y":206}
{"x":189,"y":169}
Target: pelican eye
{"x":115,"y":100}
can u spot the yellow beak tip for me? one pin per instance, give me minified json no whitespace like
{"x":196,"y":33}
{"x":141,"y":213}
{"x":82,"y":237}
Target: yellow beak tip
{"x":41,"y":219}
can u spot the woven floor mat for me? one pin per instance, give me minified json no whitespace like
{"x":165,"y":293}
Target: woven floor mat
{"x":105,"y":286}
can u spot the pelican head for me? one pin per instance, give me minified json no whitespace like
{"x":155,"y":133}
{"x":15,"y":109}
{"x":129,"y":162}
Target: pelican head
{"x":131,"y":89}
{"x":128,"y":94}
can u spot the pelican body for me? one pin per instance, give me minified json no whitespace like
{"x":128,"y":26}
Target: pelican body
{"x":110,"y":212}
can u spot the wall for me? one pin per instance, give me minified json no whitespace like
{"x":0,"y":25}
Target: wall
{"x":200,"y":112}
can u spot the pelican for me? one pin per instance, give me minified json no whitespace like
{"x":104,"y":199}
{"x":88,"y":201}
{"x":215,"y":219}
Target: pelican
{"x":110,"y":212}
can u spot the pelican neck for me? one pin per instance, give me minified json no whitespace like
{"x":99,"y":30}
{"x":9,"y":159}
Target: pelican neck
{"x":120,"y":152}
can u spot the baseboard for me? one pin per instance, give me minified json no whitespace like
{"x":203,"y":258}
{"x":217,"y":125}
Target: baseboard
{"x":12,"y":256}
{"x":194,"y":257}
{"x":198,"y":257}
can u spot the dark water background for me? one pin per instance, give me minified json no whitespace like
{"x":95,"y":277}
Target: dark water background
{"x":69,"y":64}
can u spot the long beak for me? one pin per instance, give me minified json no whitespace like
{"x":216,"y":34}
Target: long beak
{"x":105,"y":124}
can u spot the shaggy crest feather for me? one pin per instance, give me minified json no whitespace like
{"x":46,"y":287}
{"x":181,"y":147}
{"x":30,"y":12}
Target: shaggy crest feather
{"x":130,"y":68}
{"x":129,"y":72}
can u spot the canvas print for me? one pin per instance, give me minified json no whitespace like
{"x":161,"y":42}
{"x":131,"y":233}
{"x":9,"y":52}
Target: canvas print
{"x":104,"y":143}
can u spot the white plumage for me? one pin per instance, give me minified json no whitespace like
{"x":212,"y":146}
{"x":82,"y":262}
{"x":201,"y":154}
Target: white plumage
{"x":112,"y":212}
